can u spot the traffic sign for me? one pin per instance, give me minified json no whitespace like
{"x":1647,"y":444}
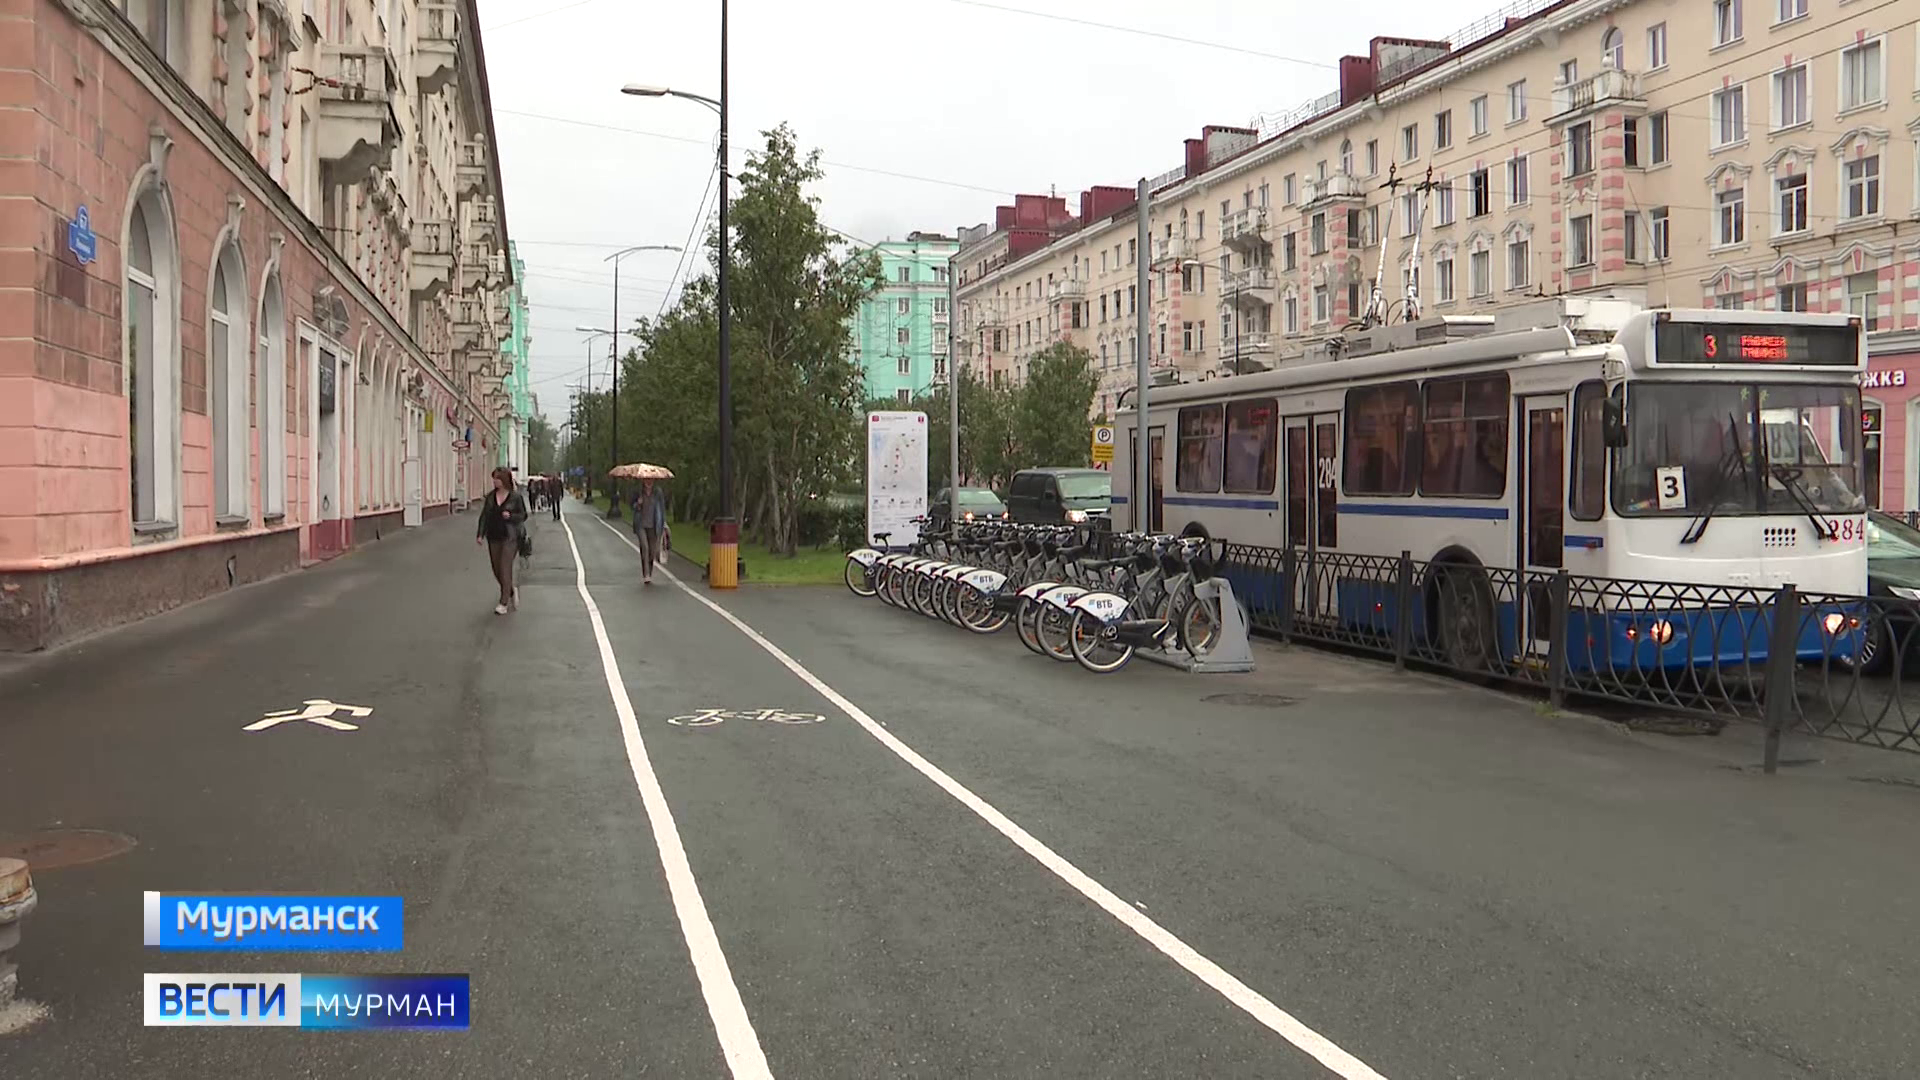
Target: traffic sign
{"x":1102,"y":445}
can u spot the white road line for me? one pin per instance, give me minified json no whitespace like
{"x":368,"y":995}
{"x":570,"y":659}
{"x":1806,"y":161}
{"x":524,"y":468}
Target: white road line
{"x":737,"y":1039}
{"x":1223,"y":982}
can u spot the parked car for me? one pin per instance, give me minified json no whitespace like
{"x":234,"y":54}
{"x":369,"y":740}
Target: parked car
{"x":1893,"y":580}
{"x":1060,"y":495}
{"x":976,"y":504}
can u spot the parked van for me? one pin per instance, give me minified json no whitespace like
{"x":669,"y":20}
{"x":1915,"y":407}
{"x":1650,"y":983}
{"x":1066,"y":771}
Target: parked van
{"x":1060,"y":495}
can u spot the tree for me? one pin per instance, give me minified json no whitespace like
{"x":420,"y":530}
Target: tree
{"x":540,"y":446}
{"x":1050,"y":424}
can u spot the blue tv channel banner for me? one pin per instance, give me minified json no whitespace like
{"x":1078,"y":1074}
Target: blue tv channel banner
{"x":269,"y":922}
{"x":340,"y":1002}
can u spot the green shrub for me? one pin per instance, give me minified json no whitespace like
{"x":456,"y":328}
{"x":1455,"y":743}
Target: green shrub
{"x":850,"y":528}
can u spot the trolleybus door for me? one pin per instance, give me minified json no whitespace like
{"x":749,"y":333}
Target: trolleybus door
{"x":1156,"y":469}
{"x":1313,"y":508}
{"x":1541,"y":537}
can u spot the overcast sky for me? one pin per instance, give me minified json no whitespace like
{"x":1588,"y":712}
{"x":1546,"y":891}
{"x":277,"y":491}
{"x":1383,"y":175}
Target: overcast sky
{"x":970,"y":100}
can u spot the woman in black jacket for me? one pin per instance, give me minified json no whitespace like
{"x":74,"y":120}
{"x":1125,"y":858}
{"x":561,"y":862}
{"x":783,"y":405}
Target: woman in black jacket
{"x":503,"y":513}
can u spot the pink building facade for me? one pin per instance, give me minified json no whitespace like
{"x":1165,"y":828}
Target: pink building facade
{"x":197,"y":390}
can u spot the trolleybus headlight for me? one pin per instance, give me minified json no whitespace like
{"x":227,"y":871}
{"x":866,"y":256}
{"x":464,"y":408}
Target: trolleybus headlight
{"x":1076,"y":516}
{"x":1660,"y":632}
{"x":1834,"y":622}
{"x":969,"y":515}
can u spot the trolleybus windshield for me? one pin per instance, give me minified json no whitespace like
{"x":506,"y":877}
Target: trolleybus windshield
{"x":1692,"y":449}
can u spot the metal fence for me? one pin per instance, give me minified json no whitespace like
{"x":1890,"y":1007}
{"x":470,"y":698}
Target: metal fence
{"x":1700,"y":650}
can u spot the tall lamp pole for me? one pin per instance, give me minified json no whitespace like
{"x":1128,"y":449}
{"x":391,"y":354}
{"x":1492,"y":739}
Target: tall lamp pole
{"x":1142,"y":368}
{"x":723,"y":539}
{"x":613,"y":446}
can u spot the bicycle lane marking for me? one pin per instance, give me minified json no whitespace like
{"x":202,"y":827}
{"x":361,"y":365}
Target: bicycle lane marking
{"x":1223,"y":982}
{"x":738,"y":1041}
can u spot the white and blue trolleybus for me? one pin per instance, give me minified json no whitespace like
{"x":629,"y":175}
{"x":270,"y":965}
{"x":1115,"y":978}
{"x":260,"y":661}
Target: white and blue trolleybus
{"x":1660,"y":447}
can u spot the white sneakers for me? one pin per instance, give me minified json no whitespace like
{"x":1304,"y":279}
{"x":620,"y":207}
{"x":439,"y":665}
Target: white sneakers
{"x":499,"y":609}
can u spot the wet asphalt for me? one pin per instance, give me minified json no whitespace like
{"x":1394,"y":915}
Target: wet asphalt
{"x":1442,"y":880}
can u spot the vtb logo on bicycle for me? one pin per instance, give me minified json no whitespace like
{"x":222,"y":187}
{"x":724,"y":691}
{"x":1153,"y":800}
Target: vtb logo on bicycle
{"x":712,"y":717}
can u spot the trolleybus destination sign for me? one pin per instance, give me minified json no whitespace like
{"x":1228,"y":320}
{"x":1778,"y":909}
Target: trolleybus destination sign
{"x":1759,"y":343}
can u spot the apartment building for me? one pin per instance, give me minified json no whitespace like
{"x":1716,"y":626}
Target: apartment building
{"x":253,"y":295}
{"x":1756,"y":154}
{"x":899,"y":334}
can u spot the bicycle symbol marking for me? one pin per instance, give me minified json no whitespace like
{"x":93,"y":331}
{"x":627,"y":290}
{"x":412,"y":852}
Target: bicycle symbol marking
{"x":712,"y":717}
{"x":317,"y":711}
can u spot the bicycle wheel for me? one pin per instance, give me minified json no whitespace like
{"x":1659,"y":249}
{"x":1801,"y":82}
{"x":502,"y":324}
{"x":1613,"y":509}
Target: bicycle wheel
{"x":1199,"y":626}
{"x":976,"y":611}
{"x":1056,"y":633}
{"x":859,"y":578}
{"x":1027,"y":625}
{"x":1095,"y":647}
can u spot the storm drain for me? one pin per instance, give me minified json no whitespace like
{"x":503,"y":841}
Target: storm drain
{"x":50,"y":849}
{"x":1258,"y":701}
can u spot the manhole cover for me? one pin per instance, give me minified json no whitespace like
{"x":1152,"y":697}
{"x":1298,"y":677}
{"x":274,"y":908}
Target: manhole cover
{"x":1269,"y":701}
{"x":50,"y":849}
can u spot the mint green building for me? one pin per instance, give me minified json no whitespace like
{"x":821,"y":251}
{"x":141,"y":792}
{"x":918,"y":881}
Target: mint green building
{"x":900,"y":333}
{"x":513,"y":354}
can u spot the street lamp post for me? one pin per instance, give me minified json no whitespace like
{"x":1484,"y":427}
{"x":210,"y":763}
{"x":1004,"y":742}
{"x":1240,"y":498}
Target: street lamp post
{"x":613,"y":446}
{"x":723,"y":540}
{"x":613,"y":443}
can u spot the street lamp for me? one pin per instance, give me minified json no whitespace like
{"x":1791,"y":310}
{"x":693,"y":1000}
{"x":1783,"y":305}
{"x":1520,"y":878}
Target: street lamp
{"x":613,"y":446}
{"x":723,"y":539}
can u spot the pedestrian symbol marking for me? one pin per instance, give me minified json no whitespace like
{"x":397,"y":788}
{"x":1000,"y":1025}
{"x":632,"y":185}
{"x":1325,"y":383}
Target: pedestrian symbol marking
{"x":315,"y":711}
{"x":712,"y":717}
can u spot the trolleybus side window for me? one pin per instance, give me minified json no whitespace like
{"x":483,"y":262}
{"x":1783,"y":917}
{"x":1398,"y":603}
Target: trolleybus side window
{"x":1201,"y":444}
{"x":1253,"y":433}
{"x":1383,"y":439}
{"x":1466,"y":437}
{"x":1299,"y":475}
{"x":1589,"y":490}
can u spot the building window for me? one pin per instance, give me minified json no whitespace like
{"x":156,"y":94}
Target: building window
{"x":1200,"y":224}
{"x":1103,"y":307}
{"x":1346,"y":156}
{"x":1263,"y":194}
{"x":905,"y":365}
{"x":1133,"y":300}
{"x":940,"y":306}
{"x":1863,"y":298}
{"x":152,"y":380}
{"x":1659,"y":235}
{"x":1373,"y":156}
{"x":1791,"y":104}
{"x":1792,"y":9}
{"x":1409,"y":213}
{"x":903,"y":395}
{"x":903,"y":306}
{"x":1409,"y":142}
{"x":1862,"y":178}
{"x":939,"y":367}
{"x":1580,"y":149}
{"x":1321,"y":311}
{"x":1131,"y":253}
{"x":1353,"y":299}
{"x":1630,"y":142}
{"x":271,"y":389}
{"x":1791,"y":192}
{"x":1569,"y":72}
{"x":1517,"y":173}
{"x":164,"y":24}
{"x":1580,"y":240}
{"x":1477,"y":114}
{"x":1730,"y":217}
{"x":1630,"y":237}
{"x":1657,"y":138}
{"x":1465,"y":429}
{"x":1862,"y":75}
{"x":1103,"y":354}
{"x":1791,"y":297}
{"x":939,"y":273}
{"x":1519,"y":264}
{"x":1290,"y":309}
{"x":1516,"y":101}
{"x":1289,"y":252}
{"x":906,"y":275}
{"x":1317,"y":230}
{"x":1289,"y":189}
{"x":1613,"y":49}
{"x":1726,"y":22}
{"x":227,"y":384}
{"x":904,"y":336}
{"x":1200,"y":336}
{"x":1480,"y":274}
{"x":1443,"y":130}
{"x":1383,"y":440}
{"x":1729,"y":116}
{"x":1656,"y":46}
{"x":1480,"y":194}
{"x":1186,"y":337}
{"x":1443,"y":203}
{"x":1443,"y":279}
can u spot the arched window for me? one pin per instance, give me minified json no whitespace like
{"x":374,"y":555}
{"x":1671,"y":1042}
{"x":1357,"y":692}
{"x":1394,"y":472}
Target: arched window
{"x":227,"y":385}
{"x":151,"y":369}
{"x":1346,"y":156}
{"x":270,"y":414}
{"x":1613,"y":49}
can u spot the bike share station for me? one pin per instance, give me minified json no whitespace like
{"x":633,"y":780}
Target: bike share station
{"x":1159,"y":599}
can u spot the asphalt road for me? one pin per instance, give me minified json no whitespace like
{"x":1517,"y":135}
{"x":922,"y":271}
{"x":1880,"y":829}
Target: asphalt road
{"x":977,"y":863}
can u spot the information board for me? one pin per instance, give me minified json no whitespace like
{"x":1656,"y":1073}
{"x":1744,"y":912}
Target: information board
{"x":1762,"y":343}
{"x":896,"y":474}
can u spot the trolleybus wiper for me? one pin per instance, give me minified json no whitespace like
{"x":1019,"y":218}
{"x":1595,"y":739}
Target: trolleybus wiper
{"x":1789,"y":478}
{"x":1722,"y":474}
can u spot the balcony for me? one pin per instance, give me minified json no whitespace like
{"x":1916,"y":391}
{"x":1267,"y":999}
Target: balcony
{"x":939,"y":317}
{"x":1249,"y":350}
{"x":939,"y":344}
{"x":469,"y":324}
{"x":357,"y":130}
{"x":1608,"y":85}
{"x":1066,"y":290}
{"x":1171,"y":249}
{"x":438,"y":53}
{"x":1246,"y":230}
{"x":484,"y":224}
{"x":470,"y":168}
{"x":1335,"y":186}
{"x":1256,"y":286}
{"x":475,"y":266}
{"x":431,"y":270}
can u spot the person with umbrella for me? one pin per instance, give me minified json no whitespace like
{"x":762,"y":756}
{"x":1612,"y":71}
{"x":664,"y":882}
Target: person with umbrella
{"x":649,"y":506}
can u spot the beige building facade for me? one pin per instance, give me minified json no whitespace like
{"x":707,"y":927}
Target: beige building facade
{"x":1732,"y":153}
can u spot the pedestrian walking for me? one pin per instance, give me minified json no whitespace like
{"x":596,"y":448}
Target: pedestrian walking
{"x":649,"y":506}
{"x":557,"y":489}
{"x":503,"y":516}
